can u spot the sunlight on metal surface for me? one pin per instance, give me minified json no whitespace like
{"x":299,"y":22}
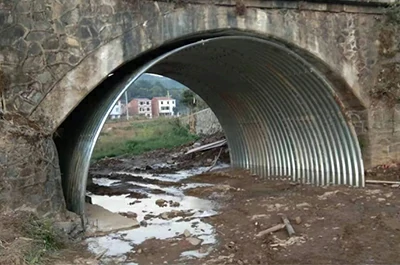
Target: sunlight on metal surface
{"x":278,"y":113}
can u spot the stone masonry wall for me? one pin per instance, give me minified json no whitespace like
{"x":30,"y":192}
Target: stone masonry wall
{"x":55,"y":52}
{"x":42,"y":41}
{"x":30,"y":178}
{"x":205,"y":122}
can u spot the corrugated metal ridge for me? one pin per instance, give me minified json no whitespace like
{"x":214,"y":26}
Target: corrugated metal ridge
{"x":278,"y":113}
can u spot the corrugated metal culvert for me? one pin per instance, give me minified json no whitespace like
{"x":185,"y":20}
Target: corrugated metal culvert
{"x":278,"y":113}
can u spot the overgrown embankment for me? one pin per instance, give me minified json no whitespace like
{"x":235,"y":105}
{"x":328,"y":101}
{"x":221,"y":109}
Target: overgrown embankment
{"x":26,"y":239}
{"x":137,"y":137}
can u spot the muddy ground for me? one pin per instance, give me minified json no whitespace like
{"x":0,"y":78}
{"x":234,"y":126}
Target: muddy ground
{"x":164,"y":160}
{"x":333,"y":225}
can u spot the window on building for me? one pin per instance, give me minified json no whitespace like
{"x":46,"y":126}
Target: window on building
{"x":148,"y":109}
{"x":147,"y":103}
{"x":141,"y":103}
{"x":167,"y":102}
{"x":162,"y":102}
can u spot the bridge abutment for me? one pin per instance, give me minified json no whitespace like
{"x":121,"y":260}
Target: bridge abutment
{"x":56,"y":54}
{"x":30,"y":178}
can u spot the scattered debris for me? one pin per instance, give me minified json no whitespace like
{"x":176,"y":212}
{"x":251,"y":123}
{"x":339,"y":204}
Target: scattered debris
{"x":296,"y":240}
{"x":207,"y":146}
{"x":215,"y":161}
{"x":327,"y":194}
{"x":271,"y":230}
{"x":384,"y":182}
{"x":303,"y":205}
{"x":259,"y":216}
{"x":289,"y":227}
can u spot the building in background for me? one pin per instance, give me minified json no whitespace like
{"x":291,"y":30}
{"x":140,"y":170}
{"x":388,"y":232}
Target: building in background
{"x":117,"y":111}
{"x":140,"y":107}
{"x":163,"y":106}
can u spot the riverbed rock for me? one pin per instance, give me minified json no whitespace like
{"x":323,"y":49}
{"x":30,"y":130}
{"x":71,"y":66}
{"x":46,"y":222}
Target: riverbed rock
{"x":131,"y":215}
{"x":101,"y":220}
{"x":161,"y":202}
{"x":186,"y":233}
{"x":175,"y":213}
{"x":174,"y":204}
{"x":194,"y":241}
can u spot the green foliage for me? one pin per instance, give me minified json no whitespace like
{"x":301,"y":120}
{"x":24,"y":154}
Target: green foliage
{"x":46,"y":239}
{"x":145,"y":136}
{"x":192,"y":101}
{"x":149,"y":88}
{"x":160,"y":87}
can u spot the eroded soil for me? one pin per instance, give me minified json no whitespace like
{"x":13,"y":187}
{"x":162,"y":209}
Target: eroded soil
{"x":333,"y":225}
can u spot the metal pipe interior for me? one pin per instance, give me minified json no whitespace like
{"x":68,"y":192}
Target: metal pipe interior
{"x":278,"y":113}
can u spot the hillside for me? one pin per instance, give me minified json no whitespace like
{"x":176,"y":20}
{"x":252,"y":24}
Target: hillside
{"x":165,"y":81}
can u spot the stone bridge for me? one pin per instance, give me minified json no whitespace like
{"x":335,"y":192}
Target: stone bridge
{"x":302,"y":88}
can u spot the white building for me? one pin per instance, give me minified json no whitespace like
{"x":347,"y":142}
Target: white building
{"x":163,"y":106}
{"x":117,"y":111}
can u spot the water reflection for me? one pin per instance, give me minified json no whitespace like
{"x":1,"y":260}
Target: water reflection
{"x":158,"y":222}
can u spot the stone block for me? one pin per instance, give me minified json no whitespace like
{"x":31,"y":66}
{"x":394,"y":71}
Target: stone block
{"x":11,"y":35}
{"x":32,"y":179}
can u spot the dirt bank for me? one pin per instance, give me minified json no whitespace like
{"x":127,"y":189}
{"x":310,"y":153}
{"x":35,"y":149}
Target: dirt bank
{"x":164,"y":160}
{"x":335,"y":225}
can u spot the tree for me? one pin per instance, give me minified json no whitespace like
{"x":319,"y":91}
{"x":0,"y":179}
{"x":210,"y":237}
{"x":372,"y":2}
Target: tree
{"x":192,"y":101}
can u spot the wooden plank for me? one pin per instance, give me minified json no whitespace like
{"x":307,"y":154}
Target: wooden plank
{"x":289,"y":227}
{"x":207,"y":146}
{"x":370,"y":181}
{"x":271,"y":230}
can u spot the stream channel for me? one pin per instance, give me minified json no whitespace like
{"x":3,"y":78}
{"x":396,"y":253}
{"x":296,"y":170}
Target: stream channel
{"x":164,"y":212}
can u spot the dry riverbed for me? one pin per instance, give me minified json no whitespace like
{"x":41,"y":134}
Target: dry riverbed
{"x":165,"y":207}
{"x":192,"y":216}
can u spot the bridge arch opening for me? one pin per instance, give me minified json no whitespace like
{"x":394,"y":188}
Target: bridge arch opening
{"x":280,"y":108}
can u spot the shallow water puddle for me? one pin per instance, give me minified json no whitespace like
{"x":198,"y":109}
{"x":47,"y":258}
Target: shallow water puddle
{"x":179,"y":213}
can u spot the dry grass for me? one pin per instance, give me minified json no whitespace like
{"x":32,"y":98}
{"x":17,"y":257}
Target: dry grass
{"x":27,"y":240}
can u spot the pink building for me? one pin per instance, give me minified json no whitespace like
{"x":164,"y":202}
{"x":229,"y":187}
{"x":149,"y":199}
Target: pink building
{"x":140,"y":107}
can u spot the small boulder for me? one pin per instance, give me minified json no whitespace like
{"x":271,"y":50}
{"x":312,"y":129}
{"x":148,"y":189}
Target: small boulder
{"x":175,"y":204}
{"x":186,"y":233}
{"x":194,"y":241}
{"x":161,"y":202}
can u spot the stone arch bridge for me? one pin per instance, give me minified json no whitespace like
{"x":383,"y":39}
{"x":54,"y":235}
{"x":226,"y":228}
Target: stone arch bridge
{"x":290,"y":81}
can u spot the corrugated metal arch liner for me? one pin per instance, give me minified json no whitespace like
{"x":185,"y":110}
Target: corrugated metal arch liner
{"x":278,"y":112}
